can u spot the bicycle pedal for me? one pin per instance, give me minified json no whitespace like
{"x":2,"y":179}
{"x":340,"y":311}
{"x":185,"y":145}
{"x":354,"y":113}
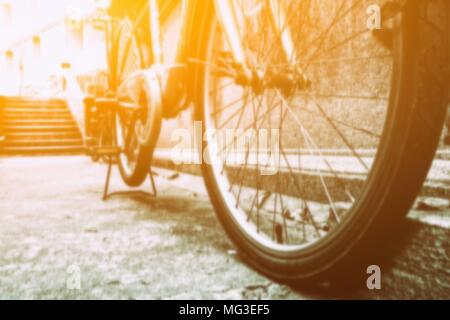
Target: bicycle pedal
{"x":390,"y":9}
{"x":106,"y":151}
{"x":384,"y":37}
{"x":106,"y":103}
{"x":447,"y":140}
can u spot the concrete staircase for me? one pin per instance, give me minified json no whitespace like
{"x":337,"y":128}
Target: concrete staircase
{"x":38,"y":127}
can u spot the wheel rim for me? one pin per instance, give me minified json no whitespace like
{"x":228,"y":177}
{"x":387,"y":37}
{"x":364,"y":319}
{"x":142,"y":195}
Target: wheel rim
{"x":130,"y":147}
{"x":131,"y":58}
{"x":268,"y":208}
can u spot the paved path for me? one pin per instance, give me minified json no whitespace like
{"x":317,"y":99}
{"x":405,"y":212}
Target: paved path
{"x":54,"y":224}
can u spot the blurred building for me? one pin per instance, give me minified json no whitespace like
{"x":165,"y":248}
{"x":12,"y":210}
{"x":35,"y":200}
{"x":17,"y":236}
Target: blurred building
{"x":37,"y":37}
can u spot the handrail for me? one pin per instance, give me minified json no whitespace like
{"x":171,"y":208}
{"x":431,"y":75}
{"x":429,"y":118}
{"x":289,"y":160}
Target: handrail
{"x":166,"y":8}
{"x":57,"y":22}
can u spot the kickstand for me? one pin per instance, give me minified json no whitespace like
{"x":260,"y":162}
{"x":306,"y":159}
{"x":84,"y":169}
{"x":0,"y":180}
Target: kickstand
{"x":106,"y":193}
{"x":152,"y":182}
{"x":108,"y":178}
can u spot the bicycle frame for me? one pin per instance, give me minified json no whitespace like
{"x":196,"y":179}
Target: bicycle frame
{"x":178,"y":90}
{"x":265,"y":80}
{"x":169,"y":86}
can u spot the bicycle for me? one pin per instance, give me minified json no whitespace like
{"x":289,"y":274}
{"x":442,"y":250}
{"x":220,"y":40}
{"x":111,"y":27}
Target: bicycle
{"x":100,"y":129}
{"x":334,"y":98}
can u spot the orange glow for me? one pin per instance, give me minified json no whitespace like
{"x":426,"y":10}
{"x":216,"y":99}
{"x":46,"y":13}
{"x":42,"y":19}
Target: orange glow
{"x":313,"y":123}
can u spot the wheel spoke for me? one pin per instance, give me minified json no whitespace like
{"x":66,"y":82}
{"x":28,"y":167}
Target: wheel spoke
{"x":314,"y":91}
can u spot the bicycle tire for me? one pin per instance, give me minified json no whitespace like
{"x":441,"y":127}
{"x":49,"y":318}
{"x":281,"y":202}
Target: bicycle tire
{"x":417,"y":108}
{"x":133,"y":170}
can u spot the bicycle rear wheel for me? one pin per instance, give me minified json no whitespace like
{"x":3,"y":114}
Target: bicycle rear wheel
{"x":314,"y":158}
{"x":130,"y":52}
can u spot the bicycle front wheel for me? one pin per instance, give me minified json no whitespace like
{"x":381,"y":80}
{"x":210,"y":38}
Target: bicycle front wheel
{"x":314,"y":153}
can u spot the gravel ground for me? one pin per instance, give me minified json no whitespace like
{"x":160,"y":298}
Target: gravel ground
{"x":55,"y":229}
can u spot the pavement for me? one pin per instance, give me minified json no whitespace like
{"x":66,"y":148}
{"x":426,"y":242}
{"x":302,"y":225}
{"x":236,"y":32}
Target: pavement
{"x":334,"y":167}
{"x":59,"y":240}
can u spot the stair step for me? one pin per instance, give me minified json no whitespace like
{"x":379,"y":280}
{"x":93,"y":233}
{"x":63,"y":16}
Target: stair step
{"x":33,"y":136}
{"x":41,"y":128}
{"x":26,"y":151}
{"x":37,"y":116}
{"x":35,"y":105}
{"x":43,"y":109}
{"x":39,"y":122}
{"x":25,"y":99}
{"x":43,"y":142}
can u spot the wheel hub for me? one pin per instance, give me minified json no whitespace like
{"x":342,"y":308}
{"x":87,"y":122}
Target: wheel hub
{"x":286,"y":80}
{"x":143,"y":89}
